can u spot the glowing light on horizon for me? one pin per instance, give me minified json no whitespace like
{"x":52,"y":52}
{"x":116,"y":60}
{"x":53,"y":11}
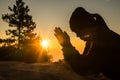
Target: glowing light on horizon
{"x":45,"y":43}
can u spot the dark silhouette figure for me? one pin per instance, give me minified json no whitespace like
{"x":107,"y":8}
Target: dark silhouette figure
{"x":102,"y":51}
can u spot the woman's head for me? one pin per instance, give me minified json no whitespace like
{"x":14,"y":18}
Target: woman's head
{"x":84,"y":23}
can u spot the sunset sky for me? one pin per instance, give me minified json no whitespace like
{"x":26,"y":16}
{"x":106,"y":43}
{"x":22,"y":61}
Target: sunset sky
{"x":49,"y":14}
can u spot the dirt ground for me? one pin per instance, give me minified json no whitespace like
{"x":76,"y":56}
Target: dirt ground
{"x":38,"y":71}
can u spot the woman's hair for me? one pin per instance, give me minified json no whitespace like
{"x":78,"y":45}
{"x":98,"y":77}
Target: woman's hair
{"x":83,"y":19}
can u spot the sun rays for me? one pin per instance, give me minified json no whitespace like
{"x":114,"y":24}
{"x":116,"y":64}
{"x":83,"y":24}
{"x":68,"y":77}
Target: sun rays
{"x":45,"y":43}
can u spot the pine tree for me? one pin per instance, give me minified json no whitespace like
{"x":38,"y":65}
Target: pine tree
{"x":21,"y":30}
{"x":20,"y":21}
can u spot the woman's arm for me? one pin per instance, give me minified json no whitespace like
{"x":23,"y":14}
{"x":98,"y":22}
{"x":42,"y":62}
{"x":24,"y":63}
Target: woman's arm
{"x":79,"y":63}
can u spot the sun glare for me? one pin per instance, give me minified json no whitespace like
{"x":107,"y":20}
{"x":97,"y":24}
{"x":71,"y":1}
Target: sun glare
{"x":45,"y":43}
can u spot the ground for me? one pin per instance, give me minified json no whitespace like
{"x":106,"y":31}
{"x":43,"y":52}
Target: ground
{"x":38,"y":71}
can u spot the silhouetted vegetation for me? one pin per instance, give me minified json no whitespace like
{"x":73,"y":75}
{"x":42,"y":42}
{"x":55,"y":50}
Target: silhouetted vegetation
{"x":6,"y":53}
{"x":20,"y":20}
{"x":23,"y":43}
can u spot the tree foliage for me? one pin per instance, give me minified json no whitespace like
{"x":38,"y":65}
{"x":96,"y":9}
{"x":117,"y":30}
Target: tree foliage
{"x":20,"y":20}
{"x":31,"y":48}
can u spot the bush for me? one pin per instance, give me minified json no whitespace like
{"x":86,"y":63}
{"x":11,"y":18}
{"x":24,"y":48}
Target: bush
{"x":6,"y":53}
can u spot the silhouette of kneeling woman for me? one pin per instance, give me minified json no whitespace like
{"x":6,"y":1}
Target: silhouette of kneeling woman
{"x":102,"y":51}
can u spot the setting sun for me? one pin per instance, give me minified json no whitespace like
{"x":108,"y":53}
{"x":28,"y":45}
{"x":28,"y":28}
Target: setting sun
{"x":45,"y":43}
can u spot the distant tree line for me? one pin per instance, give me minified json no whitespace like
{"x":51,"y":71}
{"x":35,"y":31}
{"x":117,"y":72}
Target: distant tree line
{"x":23,"y":43}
